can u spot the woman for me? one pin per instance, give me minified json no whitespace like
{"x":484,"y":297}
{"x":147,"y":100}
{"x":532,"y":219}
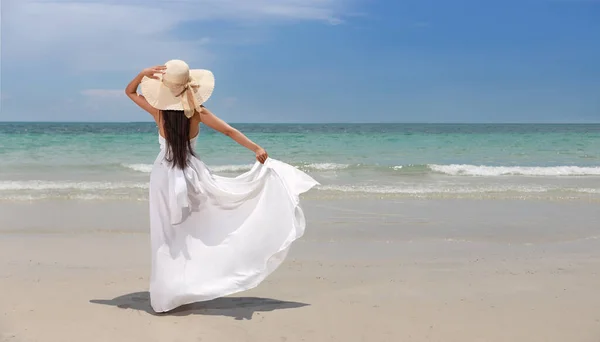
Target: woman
{"x":211,"y":236}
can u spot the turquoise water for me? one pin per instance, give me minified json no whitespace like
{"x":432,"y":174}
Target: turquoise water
{"x":99,"y":161}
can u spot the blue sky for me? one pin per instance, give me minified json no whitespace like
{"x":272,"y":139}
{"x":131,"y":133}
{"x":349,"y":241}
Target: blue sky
{"x":309,"y":60}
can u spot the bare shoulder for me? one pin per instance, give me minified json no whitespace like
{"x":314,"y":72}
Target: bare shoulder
{"x":207,"y":115}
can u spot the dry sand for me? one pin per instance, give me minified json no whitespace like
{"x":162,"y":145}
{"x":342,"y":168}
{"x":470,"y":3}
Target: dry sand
{"x":372,"y":271}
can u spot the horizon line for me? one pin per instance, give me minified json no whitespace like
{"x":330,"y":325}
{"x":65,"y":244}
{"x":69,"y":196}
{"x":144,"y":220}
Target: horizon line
{"x":336,"y":123}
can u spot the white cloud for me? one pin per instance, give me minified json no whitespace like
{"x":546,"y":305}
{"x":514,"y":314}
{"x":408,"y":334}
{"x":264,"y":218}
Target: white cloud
{"x":80,"y":44}
{"x":91,"y":35}
{"x":127,"y":34}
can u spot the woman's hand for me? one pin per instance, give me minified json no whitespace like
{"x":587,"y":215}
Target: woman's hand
{"x":151,"y":72}
{"x":261,"y":155}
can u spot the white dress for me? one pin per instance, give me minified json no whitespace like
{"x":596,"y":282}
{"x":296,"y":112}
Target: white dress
{"x":213,"y":236}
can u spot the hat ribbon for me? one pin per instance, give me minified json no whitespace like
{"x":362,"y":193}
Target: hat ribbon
{"x":185,"y":92}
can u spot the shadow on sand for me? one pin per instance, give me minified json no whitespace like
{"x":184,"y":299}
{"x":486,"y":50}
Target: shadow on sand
{"x":237,"y":307}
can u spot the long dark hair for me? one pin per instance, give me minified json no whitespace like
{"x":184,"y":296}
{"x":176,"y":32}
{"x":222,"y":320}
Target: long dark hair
{"x":177,"y":133}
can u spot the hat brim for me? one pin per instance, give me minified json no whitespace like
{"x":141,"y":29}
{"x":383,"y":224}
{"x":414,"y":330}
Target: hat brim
{"x":161,"y":97}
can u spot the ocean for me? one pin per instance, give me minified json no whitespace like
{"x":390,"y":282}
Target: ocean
{"x":112,"y":161}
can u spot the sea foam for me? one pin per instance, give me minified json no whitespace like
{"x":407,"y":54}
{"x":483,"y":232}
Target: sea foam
{"x":482,"y":170}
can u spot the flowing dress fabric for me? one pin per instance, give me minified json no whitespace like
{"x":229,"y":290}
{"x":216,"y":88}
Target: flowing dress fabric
{"x":212,"y":236}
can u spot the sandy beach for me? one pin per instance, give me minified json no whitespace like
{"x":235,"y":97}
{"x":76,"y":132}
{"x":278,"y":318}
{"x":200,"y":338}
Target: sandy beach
{"x":456,"y":147}
{"x":405,"y":270}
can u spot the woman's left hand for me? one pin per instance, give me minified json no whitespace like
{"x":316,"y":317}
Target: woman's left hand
{"x":261,"y":155}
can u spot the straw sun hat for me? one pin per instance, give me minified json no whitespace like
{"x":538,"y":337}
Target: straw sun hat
{"x":179,"y":88}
